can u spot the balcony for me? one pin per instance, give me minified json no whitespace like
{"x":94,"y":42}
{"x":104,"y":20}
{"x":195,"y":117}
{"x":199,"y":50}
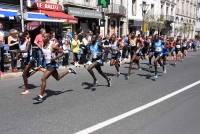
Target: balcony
{"x":115,"y":10}
{"x":170,"y":18}
{"x":81,"y":3}
{"x":167,"y":18}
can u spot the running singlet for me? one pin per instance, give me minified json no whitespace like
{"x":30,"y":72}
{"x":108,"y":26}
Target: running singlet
{"x":158,"y":46}
{"x":114,"y":47}
{"x":95,"y":50}
{"x":178,"y":45}
{"x":47,"y":53}
{"x":23,"y":47}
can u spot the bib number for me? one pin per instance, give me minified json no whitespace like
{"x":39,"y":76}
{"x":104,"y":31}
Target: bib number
{"x":178,"y":46}
{"x":158,"y":49}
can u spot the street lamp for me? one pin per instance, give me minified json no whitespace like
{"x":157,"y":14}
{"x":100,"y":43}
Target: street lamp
{"x":144,"y":11}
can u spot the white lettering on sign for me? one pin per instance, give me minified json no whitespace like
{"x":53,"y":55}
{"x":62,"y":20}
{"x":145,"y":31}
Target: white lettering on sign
{"x":48,"y":6}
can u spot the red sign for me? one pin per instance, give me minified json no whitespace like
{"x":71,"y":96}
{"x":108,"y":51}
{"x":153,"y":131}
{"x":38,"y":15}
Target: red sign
{"x":48,"y":6}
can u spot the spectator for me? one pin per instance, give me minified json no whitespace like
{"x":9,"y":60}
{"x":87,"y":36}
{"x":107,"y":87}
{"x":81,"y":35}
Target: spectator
{"x":39,"y":43}
{"x":75,"y":49}
{"x":1,"y":53}
{"x":24,"y":47}
{"x":66,"y":48}
{"x":13,"y":42}
{"x":83,"y":52}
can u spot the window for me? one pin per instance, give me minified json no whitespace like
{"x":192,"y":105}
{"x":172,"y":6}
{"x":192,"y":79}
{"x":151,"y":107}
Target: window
{"x":167,"y":11}
{"x":134,"y":7}
{"x":162,"y":12}
{"x":152,"y":9}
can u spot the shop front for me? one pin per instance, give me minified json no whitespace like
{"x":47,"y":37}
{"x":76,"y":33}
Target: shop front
{"x":88,"y":19}
{"x":56,"y":14}
{"x":135,"y":26}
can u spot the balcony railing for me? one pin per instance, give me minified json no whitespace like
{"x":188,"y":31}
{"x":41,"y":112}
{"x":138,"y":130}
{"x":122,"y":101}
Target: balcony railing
{"x":115,"y":9}
{"x":82,"y":3}
{"x":168,"y":18}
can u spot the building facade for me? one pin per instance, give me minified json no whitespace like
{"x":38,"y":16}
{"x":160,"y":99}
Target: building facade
{"x":185,"y":20}
{"x":197,"y":27}
{"x":87,"y":12}
{"x":116,"y":17}
{"x":168,"y":12}
{"x":142,"y":14}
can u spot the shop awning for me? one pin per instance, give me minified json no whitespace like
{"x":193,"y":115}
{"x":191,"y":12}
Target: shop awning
{"x":60,"y":15}
{"x":33,"y":16}
{"x":7,"y":13}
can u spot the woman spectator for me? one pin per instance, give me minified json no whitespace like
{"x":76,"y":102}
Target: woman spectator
{"x":66,"y":50}
{"x":13,"y":42}
{"x":75,"y":49}
{"x":83,"y":48}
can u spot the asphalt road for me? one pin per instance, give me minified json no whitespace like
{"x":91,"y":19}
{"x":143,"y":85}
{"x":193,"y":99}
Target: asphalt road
{"x":73,"y":105}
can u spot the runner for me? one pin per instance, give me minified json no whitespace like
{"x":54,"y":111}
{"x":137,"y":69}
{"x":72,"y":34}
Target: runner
{"x":133,"y":52}
{"x":29,"y":62}
{"x":115,"y":53}
{"x":171,"y":46}
{"x":150,"y":52}
{"x":165,"y":54}
{"x":184,"y":48}
{"x":158,"y":49}
{"x":49,"y":49}
{"x":96,"y":62}
{"x":178,"y":49}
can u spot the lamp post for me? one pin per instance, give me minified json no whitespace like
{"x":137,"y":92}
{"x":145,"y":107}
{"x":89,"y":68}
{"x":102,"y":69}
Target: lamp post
{"x":144,"y":11}
{"x":22,"y":14}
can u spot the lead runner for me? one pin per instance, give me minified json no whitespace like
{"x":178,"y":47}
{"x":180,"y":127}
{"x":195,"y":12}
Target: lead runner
{"x":50,"y":49}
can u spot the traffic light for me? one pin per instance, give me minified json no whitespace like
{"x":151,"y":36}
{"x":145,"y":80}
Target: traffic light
{"x":103,"y":3}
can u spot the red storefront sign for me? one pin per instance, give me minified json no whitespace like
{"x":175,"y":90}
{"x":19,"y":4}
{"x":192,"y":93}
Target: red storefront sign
{"x":48,"y":6}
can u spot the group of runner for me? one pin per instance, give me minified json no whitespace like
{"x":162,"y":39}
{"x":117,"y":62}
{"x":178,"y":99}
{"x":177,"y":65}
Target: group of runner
{"x":152,"y":47}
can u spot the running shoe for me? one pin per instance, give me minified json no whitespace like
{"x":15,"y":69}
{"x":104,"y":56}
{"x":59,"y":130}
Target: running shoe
{"x":127,"y":77}
{"x":156,"y":77}
{"x":72,"y":71}
{"x":118,"y":74}
{"x":95,"y":82}
{"x":25,"y":92}
{"x":38,"y":99}
{"x":165,"y":71}
{"x":109,"y":82}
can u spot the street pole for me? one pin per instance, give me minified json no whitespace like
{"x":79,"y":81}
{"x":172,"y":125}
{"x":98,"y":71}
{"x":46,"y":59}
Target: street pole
{"x":22,"y":14}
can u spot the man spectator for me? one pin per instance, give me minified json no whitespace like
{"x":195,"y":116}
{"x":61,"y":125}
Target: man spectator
{"x":39,"y":43}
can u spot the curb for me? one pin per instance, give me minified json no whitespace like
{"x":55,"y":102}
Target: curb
{"x":19,"y":74}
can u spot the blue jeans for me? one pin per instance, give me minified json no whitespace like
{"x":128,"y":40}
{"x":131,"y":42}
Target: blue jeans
{"x":2,"y":59}
{"x":37,"y":54}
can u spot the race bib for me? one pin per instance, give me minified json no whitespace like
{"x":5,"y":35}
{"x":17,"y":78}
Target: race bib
{"x":158,"y":49}
{"x":178,"y":46}
{"x":94,"y":56}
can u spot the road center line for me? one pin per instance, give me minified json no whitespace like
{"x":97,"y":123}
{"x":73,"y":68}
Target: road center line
{"x":136,"y":110}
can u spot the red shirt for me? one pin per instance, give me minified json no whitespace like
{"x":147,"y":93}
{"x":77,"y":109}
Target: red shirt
{"x":39,"y":40}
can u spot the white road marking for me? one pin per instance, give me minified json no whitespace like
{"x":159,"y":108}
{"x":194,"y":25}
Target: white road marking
{"x":134,"y":111}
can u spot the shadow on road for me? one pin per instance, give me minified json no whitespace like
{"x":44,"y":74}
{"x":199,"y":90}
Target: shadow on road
{"x":89,"y":86}
{"x":51,"y":93}
{"x":30,"y":86}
